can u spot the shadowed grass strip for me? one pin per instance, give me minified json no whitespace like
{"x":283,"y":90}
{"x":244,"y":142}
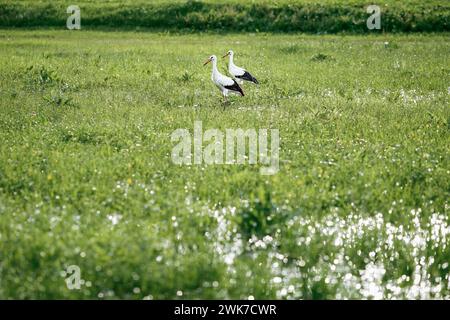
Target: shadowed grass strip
{"x":298,"y":16}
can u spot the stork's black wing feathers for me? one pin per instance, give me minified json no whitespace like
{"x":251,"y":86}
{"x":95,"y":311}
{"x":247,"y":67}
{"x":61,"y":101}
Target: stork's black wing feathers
{"x":235,"y":87}
{"x":248,"y":77}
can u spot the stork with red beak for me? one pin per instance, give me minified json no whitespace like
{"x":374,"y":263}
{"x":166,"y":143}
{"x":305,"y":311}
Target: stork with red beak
{"x":240,"y":74}
{"x":225,"y":84}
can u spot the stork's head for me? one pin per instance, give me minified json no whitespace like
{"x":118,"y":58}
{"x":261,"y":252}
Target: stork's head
{"x":229,"y":53}
{"x":213,"y":58}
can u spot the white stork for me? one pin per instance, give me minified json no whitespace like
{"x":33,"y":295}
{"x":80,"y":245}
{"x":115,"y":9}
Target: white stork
{"x":225,"y":84}
{"x":239,"y":73}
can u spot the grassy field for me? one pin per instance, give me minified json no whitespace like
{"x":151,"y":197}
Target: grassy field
{"x":359,"y":208}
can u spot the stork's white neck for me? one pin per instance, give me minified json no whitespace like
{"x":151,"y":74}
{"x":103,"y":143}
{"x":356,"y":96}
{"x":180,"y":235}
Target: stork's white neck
{"x":231,"y":59}
{"x":215,"y":72}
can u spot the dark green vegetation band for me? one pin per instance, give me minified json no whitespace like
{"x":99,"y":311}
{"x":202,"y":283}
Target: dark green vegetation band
{"x":297,"y":16}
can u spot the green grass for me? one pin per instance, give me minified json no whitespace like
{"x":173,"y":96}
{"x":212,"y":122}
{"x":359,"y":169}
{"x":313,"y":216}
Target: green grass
{"x":358,"y":209}
{"x":325,"y":16}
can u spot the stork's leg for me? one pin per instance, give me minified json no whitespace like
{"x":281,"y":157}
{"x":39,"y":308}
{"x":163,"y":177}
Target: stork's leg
{"x":225,"y":100}
{"x":224,"y":93}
